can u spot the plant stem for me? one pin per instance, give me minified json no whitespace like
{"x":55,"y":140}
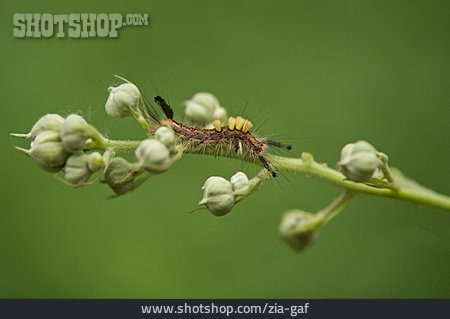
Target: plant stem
{"x":405,"y":189}
{"x":335,"y":207}
{"x":416,"y":194}
{"x":384,"y":167}
{"x":121,"y":145}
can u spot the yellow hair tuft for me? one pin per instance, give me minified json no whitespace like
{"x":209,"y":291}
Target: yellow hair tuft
{"x":217,"y":125}
{"x":231,"y":123}
{"x":239,"y":123}
{"x":247,"y":125}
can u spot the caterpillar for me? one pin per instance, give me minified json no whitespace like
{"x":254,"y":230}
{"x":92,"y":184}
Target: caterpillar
{"x":234,"y":138}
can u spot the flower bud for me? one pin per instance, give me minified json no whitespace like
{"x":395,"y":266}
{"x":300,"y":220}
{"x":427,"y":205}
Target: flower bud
{"x":122,"y":100}
{"x":95,"y":162}
{"x":75,"y":132}
{"x":153,"y":156}
{"x":239,"y":181}
{"x":49,"y":122}
{"x":359,"y":146}
{"x":203,"y":108}
{"x":206,"y":99}
{"x":80,"y":166}
{"x":120,"y":175}
{"x":198,"y":113}
{"x":211,"y":180}
{"x":166,"y":136}
{"x":47,"y":151}
{"x":298,"y":228}
{"x":46,"y":136}
{"x":359,"y":161}
{"x":218,"y":195}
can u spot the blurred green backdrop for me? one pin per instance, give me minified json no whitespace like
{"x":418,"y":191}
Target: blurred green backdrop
{"x":323,"y":73}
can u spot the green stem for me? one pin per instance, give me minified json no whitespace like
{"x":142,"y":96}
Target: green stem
{"x":419,"y":195}
{"x":385,"y":168}
{"x":329,"y":212}
{"x":405,"y":189}
{"x":121,"y":145}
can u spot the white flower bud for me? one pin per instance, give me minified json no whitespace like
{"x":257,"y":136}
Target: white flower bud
{"x":347,"y":150}
{"x":359,"y":161}
{"x":80,"y":166}
{"x":122,"y":100}
{"x":211,"y":180}
{"x":197,"y":113}
{"x":166,"y":136}
{"x":218,"y":195}
{"x":75,"y":132}
{"x":357,"y":147}
{"x":47,"y":151}
{"x":298,"y":228}
{"x":207,"y":100}
{"x":153,"y":156}
{"x":49,"y":122}
{"x":360,"y":167}
{"x":120,"y":175}
{"x":239,"y":181}
{"x":46,"y":136}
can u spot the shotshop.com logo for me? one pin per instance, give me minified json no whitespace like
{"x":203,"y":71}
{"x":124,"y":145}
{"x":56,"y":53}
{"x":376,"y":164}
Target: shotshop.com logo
{"x":74,"y":25}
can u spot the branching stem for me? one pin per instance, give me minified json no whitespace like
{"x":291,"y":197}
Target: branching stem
{"x":335,"y":207}
{"x":405,"y":188}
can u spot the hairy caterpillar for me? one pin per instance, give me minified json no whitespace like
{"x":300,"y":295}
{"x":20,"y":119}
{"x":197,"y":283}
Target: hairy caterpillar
{"x":233,"y":139}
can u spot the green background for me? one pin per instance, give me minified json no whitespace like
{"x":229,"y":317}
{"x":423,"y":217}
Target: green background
{"x":323,"y":73}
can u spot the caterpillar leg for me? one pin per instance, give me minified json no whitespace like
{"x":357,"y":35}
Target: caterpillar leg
{"x":266,"y":165}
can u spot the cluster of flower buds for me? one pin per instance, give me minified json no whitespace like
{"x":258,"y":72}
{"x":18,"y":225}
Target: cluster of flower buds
{"x":203,"y":108}
{"x":359,"y":161}
{"x":154,"y":155}
{"x":59,"y":143}
{"x":68,"y":145}
{"x":220,"y":194}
